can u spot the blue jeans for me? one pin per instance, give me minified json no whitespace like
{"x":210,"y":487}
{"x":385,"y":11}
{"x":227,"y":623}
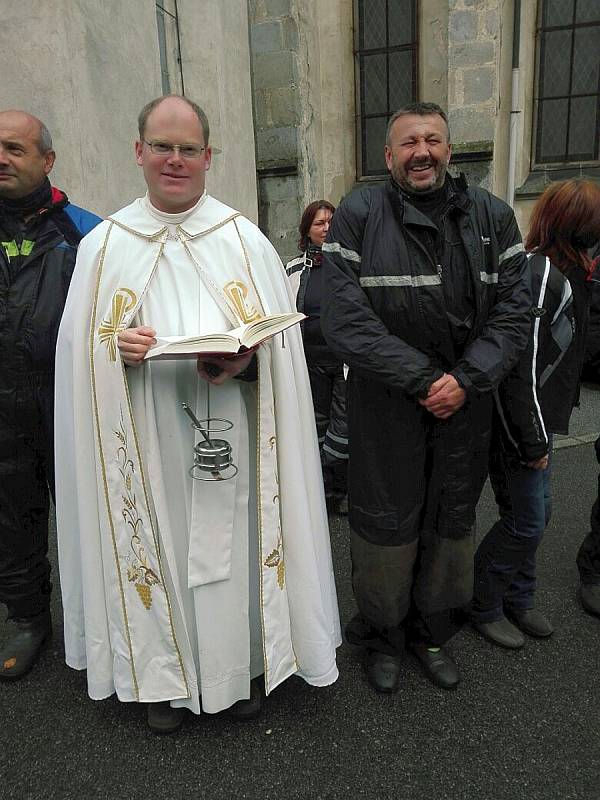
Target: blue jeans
{"x":505,"y":576}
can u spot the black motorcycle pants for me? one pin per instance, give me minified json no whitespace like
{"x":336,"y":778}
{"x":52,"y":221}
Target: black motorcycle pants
{"x":26,"y":481}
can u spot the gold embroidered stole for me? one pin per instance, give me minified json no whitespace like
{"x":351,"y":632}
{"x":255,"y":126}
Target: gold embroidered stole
{"x":125,"y":268}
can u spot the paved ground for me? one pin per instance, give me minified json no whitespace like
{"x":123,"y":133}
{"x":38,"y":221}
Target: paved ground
{"x":522,"y":725}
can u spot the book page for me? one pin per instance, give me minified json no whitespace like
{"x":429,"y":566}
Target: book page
{"x":262,"y":329}
{"x":192,"y":345}
{"x":245,"y":336}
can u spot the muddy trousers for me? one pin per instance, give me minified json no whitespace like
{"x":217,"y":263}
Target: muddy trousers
{"x":26,"y":481}
{"x":414,"y":483}
{"x":414,"y":592}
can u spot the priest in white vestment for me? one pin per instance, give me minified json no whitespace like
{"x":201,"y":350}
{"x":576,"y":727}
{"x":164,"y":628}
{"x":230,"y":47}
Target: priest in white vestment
{"x":178,"y":592}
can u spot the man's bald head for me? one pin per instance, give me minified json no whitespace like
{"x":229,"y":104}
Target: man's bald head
{"x":26,"y":154}
{"x":44,"y":138}
{"x":174,"y":100}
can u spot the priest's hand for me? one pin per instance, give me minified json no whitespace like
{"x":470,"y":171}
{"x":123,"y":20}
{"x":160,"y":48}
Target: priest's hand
{"x":134,"y":343}
{"x":217,"y":369}
{"x":445,"y":397}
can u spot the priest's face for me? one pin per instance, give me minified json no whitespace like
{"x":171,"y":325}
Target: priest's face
{"x":175,"y":181}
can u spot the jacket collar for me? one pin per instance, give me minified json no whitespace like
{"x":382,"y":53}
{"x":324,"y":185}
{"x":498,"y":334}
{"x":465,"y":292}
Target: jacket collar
{"x":458,"y":194}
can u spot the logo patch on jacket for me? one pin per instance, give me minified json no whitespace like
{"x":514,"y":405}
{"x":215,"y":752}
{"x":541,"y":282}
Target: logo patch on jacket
{"x":12,"y":249}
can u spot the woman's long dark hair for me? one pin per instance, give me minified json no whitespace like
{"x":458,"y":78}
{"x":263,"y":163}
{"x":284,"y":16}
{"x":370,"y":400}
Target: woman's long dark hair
{"x":308,"y":215}
{"x":565,"y":223}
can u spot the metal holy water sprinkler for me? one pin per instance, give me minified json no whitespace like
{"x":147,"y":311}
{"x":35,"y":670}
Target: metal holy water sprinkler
{"x":212,"y":457}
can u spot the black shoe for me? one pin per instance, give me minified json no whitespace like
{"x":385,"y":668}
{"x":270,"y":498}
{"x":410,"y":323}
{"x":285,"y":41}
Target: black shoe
{"x":590,"y":598}
{"x":437,"y":665}
{"x":337,"y":505}
{"x":500,"y":631}
{"x":343,"y":507}
{"x":531,"y":621}
{"x":163,"y":718}
{"x":21,"y":651}
{"x":248,"y":709}
{"x":383,"y":671}
{"x":332,"y":504}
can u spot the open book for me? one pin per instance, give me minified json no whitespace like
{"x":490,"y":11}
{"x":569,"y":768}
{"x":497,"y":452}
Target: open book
{"x":235,"y":341}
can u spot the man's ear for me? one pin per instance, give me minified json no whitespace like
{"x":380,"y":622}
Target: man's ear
{"x":49,"y":159}
{"x":207,"y":157}
{"x":138,"y":152}
{"x":449,"y":152}
{"x":388,"y":157}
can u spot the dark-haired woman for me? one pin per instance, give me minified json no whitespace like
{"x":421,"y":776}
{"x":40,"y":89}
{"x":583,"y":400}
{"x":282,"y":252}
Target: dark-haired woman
{"x":534,"y":402}
{"x":326,"y":372}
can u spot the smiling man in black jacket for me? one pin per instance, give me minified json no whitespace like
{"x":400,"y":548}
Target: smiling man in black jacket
{"x":427,"y":300}
{"x":39,"y":234}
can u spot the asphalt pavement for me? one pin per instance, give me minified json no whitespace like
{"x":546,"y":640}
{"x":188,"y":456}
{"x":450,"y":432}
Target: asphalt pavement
{"x":522,"y":725}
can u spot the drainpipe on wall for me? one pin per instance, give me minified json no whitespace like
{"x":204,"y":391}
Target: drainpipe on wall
{"x":514,"y":106}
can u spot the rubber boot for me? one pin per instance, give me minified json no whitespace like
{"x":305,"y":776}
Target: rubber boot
{"x":22,"y":650}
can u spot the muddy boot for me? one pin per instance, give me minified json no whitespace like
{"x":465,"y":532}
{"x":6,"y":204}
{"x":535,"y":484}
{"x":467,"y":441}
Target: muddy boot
{"x":21,"y":651}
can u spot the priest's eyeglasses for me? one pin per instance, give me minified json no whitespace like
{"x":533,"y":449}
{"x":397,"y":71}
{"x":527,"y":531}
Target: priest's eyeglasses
{"x":183,"y":150}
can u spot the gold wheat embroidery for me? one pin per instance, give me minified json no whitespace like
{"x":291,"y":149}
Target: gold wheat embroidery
{"x":237,"y":293}
{"x":275,"y":558}
{"x":123,"y":301}
{"x":138,"y":571}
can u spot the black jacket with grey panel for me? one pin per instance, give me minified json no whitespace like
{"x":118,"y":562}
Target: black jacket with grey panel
{"x":407,"y":301}
{"x":538,"y":396}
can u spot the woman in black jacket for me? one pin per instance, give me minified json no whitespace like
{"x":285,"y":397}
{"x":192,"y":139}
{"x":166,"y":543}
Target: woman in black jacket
{"x":534,"y":402}
{"x":326,"y":371}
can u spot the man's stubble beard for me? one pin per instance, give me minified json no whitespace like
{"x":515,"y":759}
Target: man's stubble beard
{"x":403,"y":181}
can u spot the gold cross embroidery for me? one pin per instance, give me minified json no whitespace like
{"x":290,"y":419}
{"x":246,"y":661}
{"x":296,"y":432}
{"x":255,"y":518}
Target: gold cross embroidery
{"x":123,"y":301}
